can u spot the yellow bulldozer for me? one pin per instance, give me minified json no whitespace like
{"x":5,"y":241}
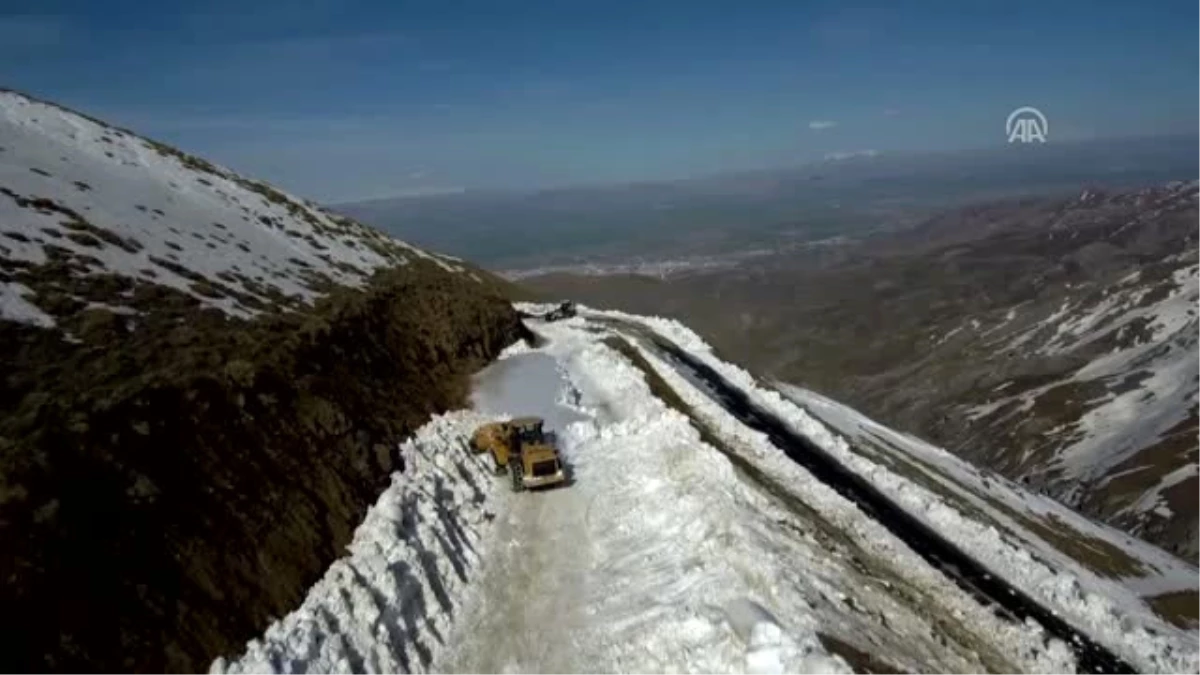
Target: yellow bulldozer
{"x":521,"y":448}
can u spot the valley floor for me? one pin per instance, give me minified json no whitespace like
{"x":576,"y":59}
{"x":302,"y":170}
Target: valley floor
{"x":686,"y":541}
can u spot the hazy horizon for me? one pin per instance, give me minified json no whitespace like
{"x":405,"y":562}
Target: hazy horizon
{"x":1192,"y":139}
{"x":343,"y":101}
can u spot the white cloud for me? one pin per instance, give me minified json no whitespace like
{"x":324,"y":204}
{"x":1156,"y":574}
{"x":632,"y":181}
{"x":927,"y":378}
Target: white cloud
{"x":406,"y":193}
{"x":820,"y":125}
{"x":850,"y":154}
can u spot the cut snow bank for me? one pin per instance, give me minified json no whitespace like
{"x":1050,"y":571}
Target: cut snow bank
{"x":386,"y":606}
{"x":1123,"y":624}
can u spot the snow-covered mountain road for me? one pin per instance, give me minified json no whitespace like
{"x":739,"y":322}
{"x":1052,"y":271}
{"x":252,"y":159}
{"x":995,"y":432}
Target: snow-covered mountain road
{"x":532,"y":574}
{"x":688,"y":541}
{"x":959,"y":567}
{"x":576,"y":583}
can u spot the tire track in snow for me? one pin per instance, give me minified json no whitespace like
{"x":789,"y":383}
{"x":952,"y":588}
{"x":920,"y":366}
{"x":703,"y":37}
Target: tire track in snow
{"x":522,"y":615}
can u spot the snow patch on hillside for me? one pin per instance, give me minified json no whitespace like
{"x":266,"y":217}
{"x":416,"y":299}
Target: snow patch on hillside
{"x":1152,"y":501}
{"x":124,"y":205}
{"x":15,"y":306}
{"x":1122,"y":424}
{"x":1148,"y":376}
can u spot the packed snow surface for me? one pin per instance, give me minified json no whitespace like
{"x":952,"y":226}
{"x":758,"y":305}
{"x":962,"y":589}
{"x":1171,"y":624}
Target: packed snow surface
{"x":622,"y":570}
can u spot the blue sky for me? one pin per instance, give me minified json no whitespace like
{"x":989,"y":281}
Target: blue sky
{"x":345,"y":99}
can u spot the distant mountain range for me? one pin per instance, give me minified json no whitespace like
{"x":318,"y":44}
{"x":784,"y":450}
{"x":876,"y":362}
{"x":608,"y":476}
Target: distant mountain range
{"x":717,"y":214}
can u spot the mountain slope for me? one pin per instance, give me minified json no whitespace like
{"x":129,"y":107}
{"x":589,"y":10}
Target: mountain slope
{"x":1073,"y":370}
{"x":205,"y":383}
{"x":82,"y":192}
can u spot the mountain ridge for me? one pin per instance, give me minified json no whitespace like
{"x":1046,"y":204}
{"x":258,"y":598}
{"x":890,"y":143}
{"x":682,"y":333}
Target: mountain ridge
{"x":206,"y":382}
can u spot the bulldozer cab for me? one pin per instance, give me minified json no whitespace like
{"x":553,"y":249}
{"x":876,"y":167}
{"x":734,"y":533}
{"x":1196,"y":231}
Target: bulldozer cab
{"x":527,"y":431}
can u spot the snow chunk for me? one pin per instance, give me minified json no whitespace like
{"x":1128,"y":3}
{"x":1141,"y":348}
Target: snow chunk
{"x":769,"y":648}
